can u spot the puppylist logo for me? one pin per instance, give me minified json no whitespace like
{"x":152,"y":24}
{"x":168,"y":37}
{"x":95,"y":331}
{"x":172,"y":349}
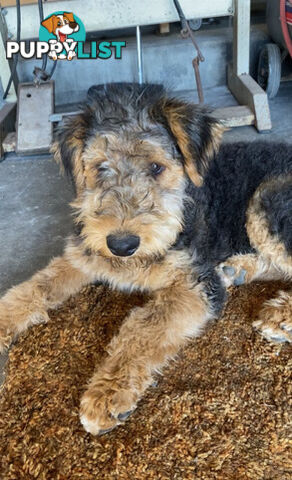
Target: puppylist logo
{"x":62,"y":37}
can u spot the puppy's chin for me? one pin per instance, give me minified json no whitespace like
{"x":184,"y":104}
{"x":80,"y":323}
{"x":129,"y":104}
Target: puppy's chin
{"x":138,"y":258}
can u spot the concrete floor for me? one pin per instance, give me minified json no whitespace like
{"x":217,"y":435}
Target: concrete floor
{"x":34,"y":212}
{"x":34,"y":218}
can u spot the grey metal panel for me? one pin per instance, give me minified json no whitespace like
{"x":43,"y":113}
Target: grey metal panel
{"x":4,"y":65}
{"x":34,"y":129}
{"x":112,"y":14}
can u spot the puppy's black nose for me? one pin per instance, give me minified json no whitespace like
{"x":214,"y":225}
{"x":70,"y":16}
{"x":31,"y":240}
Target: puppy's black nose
{"x":123,"y":245}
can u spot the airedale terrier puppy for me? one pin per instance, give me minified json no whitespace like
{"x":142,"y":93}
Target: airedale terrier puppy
{"x":160,"y":208}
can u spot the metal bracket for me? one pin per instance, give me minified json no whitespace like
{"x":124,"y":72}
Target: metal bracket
{"x":35,"y":105}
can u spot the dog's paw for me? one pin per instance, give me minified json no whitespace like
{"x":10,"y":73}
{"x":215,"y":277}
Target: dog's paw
{"x":14,"y":320}
{"x":232,"y":274}
{"x":53,"y":55}
{"x":71,"y":55}
{"x":238,"y":269}
{"x":104,"y":406}
{"x":274,"y":321}
{"x":7,"y":326}
{"x":6,"y":337}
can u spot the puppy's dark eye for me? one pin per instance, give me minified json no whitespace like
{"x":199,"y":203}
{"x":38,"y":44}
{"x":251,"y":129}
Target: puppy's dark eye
{"x":102,"y":168}
{"x":59,"y":24}
{"x":156,"y":169}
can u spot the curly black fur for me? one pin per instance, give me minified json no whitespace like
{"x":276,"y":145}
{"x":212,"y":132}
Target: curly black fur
{"x":277,"y":205}
{"x":215,"y":227}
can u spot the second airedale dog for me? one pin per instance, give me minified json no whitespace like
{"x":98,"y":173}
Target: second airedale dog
{"x":159,"y":207}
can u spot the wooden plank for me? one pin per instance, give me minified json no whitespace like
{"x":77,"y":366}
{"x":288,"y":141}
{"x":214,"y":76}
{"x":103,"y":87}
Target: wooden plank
{"x":241,"y":34}
{"x":237,"y":116}
{"x":164,"y":28}
{"x":241,"y":84}
{"x":248,"y":92}
{"x":7,"y":122}
{"x":58,"y":117}
{"x":230,"y":116}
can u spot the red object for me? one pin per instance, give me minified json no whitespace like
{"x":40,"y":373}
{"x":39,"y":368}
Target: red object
{"x":289,"y":12}
{"x":284,"y":27}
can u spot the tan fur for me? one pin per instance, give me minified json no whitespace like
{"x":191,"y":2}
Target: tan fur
{"x":176,"y":115}
{"x":257,"y":228}
{"x":147,"y":339}
{"x":129,"y":274}
{"x":27,"y":303}
{"x":275,"y":318}
{"x":151,"y":210}
{"x":270,"y":262}
{"x":217,"y":131}
{"x":117,"y":193}
{"x":256,"y":266}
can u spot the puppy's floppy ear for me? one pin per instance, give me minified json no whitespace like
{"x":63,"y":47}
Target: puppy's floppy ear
{"x":68,"y":148}
{"x":49,"y":23}
{"x":69,"y":16}
{"x":195,"y":131}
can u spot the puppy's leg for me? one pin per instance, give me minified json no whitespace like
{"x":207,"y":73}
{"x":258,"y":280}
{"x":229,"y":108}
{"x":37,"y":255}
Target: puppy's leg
{"x":269,"y":220}
{"x":275,"y":318}
{"x":245,"y":268}
{"x":148,"y":338}
{"x":27,"y":303}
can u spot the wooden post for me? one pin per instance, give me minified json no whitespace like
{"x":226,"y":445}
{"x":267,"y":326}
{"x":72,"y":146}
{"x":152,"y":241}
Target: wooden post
{"x":241,"y":84}
{"x":241,"y":36}
{"x":164,"y":28}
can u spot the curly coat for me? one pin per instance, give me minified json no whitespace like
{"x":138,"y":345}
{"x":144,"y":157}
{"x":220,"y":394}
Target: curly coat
{"x":160,"y":207}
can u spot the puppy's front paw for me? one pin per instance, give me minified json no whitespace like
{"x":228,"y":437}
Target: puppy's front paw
{"x":231,"y":275}
{"x":6,"y":337}
{"x":7,"y":326}
{"x":53,"y":55}
{"x":16,"y":318}
{"x":104,"y":406}
{"x":71,"y":55}
{"x":239,"y":269}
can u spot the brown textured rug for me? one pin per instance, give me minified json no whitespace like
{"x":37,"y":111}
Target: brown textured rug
{"x":222,"y":411}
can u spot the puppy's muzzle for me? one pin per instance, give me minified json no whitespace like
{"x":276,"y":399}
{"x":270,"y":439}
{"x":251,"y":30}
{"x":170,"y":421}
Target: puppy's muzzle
{"x":123,"y":245}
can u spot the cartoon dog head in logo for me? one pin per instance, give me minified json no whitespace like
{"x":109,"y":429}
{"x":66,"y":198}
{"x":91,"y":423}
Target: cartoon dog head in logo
{"x":61,"y":25}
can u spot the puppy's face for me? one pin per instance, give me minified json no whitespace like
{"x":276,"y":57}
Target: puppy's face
{"x":61,"y":24}
{"x":130,"y":175}
{"x":132,"y":201}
